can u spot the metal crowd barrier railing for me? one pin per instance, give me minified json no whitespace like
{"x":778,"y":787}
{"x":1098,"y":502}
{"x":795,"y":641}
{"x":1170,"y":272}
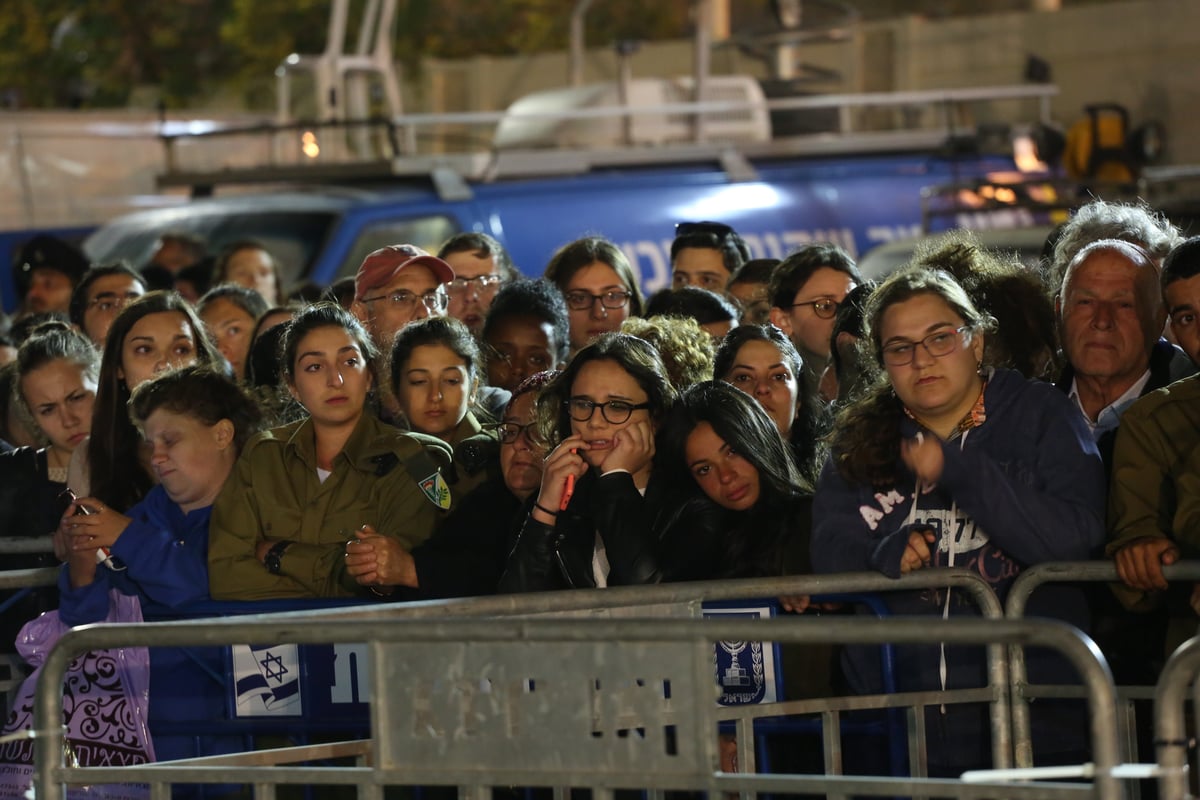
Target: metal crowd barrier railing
{"x":26,"y":544}
{"x":686,"y":599}
{"x":1170,"y":727}
{"x":28,"y":578}
{"x":1022,"y":691}
{"x":477,"y":703}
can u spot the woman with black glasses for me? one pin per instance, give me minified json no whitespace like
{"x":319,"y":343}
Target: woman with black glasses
{"x":600,"y":415}
{"x":599,"y":285}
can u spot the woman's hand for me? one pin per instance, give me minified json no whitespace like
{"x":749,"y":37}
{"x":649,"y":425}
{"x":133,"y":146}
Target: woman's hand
{"x":799,"y":603}
{"x":795,"y":603}
{"x":99,"y":527}
{"x":924,"y":458}
{"x":564,"y":460}
{"x":81,"y":563}
{"x":633,"y":448}
{"x":917,"y":553}
{"x":376,"y":560}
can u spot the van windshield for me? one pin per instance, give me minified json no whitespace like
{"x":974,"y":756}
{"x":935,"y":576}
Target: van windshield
{"x":295,"y":238}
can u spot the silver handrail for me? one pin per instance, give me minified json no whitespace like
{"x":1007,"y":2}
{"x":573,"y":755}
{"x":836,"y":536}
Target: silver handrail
{"x":1015,"y":604}
{"x":51,"y":773}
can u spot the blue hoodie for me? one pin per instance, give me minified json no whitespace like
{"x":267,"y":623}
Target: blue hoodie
{"x":165,"y":554}
{"x":1024,"y":487}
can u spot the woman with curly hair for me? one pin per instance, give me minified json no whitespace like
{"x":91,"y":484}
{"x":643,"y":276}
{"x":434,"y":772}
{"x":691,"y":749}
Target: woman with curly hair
{"x":686,"y":350}
{"x":951,"y":463}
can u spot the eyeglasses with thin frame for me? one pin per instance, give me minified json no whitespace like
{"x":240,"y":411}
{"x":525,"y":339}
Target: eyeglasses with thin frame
{"x":580,"y":300}
{"x":536,"y":361}
{"x":485,"y":285}
{"x":823,"y":307}
{"x":509,"y":432}
{"x":111,"y":301}
{"x":616,"y":412}
{"x":937,"y":344}
{"x":435,"y":300}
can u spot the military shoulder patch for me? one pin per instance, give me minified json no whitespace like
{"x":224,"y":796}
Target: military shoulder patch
{"x":436,"y":490}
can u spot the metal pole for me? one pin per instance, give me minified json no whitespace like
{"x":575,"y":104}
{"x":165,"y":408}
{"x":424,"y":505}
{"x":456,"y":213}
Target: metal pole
{"x":1015,"y":605}
{"x":702,"y":9}
{"x":1170,"y":729}
{"x":578,"y":40}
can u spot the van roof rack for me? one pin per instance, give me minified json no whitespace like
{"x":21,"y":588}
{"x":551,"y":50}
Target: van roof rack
{"x":445,"y":148}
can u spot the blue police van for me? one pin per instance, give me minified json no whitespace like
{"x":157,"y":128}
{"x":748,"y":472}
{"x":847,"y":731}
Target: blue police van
{"x":322,"y":232}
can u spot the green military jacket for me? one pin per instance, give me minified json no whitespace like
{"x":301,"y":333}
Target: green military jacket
{"x":1155,"y":486}
{"x":383,"y":477}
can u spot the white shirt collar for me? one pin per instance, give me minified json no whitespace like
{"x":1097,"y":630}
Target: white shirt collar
{"x":1110,"y":416}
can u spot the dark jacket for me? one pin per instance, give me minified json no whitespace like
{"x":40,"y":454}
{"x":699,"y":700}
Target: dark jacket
{"x":467,"y":554}
{"x":559,"y":556}
{"x":1024,"y":487}
{"x":30,"y":505}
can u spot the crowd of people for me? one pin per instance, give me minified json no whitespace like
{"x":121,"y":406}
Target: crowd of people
{"x":440,"y":426}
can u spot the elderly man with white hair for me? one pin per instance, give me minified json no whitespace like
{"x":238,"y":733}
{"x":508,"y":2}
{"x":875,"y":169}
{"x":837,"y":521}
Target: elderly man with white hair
{"x":1111,"y":317}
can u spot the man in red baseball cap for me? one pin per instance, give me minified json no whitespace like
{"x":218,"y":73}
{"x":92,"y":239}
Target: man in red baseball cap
{"x":396,"y":285}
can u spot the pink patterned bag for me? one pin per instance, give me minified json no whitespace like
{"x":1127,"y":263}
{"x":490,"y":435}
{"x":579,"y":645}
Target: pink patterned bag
{"x":105,"y":703}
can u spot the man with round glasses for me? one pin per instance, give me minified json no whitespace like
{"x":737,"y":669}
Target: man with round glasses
{"x":399,"y":284}
{"x":396,"y":285}
{"x":805,"y":292}
{"x":480,"y":265}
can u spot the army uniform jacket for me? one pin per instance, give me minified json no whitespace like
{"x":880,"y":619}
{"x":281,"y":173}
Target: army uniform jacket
{"x":383,"y":477}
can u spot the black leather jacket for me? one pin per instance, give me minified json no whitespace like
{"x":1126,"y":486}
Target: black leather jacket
{"x":559,"y":556}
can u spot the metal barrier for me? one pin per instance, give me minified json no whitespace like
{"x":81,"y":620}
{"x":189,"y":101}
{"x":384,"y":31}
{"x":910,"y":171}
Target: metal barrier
{"x":1170,"y":727}
{"x":1015,"y":604}
{"x":26,"y":544}
{"x":535,"y":702}
{"x":27,"y":578}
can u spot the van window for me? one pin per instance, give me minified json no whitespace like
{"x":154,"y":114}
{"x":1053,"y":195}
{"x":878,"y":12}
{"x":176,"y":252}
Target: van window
{"x":428,"y":233}
{"x":295,"y":238}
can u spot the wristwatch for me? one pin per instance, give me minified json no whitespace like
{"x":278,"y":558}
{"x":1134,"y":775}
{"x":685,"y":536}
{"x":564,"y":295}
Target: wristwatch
{"x":271,"y":559}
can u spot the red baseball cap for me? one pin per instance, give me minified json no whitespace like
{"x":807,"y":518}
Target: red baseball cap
{"x":379,"y":267}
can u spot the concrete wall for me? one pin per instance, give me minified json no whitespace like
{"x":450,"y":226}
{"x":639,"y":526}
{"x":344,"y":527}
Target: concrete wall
{"x":1140,"y":54}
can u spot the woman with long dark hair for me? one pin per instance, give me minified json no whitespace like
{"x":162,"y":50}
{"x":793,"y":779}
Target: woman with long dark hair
{"x":155,"y":332}
{"x":761,"y":361}
{"x":734,"y":505}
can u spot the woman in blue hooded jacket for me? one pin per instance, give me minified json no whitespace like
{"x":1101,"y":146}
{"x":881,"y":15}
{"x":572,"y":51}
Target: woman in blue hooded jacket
{"x":948,"y":463}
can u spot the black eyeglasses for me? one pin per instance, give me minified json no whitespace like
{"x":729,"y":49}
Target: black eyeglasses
{"x":718,"y":229}
{"x":434,"y":300}
{"x":937,"y":344}
{"x":823,"y":307}
{"x":486,"y":284}
{"x":509,"y":432}
{"x":582,"y":301}
{"x":581,"y":409}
